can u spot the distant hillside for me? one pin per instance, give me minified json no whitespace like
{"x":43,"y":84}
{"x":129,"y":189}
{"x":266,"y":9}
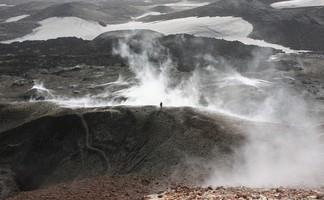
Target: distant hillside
{"x":107,"y":13}
{"x":301,"y":28}
{"x":103,"y":13}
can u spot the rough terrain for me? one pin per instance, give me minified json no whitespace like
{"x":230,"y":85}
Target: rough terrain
{"x":54,"y":151}
{"x":129,"y":188}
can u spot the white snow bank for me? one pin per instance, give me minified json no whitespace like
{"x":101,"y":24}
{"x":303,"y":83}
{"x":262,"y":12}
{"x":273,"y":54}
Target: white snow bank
{"x":63,"y":27}
{"x":17,"y":18}
{"x":297,"y":3}
{"x":5,"y":5}
{"x":182,"y":5}
{"x":262,"y":43}
{"x":227,"y":28}
{"x":147,"y":14}
{"x":204,"y":26}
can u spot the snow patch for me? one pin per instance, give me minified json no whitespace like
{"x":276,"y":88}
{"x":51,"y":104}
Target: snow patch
{"x":203,"y":26}
{"x":183,"y":5}
{"x":297,"y":4}
{"x":55,"y":27}
{"x":5,"y":5}
{"x":227,"y":28}
{"x":147,"y":14}
{"x":17,"y":18}
{"x":261,"y":43}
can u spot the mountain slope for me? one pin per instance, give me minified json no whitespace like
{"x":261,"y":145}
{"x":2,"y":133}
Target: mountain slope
{"x":103,"y":13}
{"x":106,"y":13}
{"x":300,"y":28}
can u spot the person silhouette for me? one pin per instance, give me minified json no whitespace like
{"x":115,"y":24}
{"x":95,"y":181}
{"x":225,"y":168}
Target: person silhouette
{"x":161,"y":105}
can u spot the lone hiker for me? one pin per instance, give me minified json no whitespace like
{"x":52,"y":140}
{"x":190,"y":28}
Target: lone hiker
{"x":161,"y":105}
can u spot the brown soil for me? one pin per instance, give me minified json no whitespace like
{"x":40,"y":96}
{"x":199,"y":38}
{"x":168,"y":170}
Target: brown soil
{"x":115,"y":187}
{"x":131,"y":187}
{"x":222,"y":193}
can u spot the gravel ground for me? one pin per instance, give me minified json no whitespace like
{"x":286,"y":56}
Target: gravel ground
{"x":131,"y":187}
{"x":99,"y":188}
{"x":222,"y":193}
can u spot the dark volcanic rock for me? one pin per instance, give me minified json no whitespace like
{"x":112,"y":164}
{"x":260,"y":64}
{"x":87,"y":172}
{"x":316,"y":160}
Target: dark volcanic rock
{"x":65,"y":52}
{"x":71,"y":144}
{"x":17,"y":58}
{"x":76,"y":67}
{"x":8,"y":186}
{"x":162,"y":9}
{"x":190,"y":52}
{"x":137,"y":34}
{"x":109,"y":12}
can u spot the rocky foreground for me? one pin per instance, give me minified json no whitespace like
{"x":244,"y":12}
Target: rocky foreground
{"x":43,"y":145}
{"x":131,"y":187}
{"x":51,"y":152}
{"x":183,"y":192}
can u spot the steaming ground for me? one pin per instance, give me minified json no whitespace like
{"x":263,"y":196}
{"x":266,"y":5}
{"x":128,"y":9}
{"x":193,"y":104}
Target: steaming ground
{"x":286,"y":152}
{"x":255,"y":123}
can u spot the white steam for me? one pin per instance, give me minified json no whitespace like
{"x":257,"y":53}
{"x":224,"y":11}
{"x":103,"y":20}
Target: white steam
{"x":288,"y":152}
{"x":282,"y":150}
{"x":207,"y":87}
{"x":283,"y":146}
{"x":40,"y":87}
